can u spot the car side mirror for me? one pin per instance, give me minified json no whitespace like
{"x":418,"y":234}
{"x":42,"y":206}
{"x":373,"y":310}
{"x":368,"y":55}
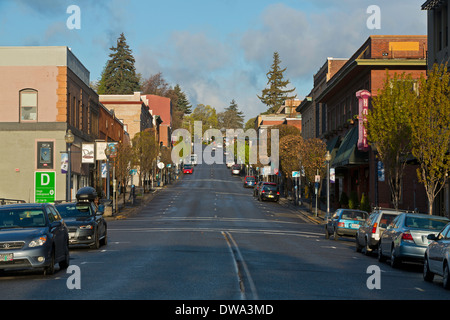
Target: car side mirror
{"x":55,"y":225}
{"x":101,"y":209}
{"x":432,"y":236}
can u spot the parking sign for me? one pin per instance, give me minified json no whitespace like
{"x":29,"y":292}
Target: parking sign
{"x":44,"y":186}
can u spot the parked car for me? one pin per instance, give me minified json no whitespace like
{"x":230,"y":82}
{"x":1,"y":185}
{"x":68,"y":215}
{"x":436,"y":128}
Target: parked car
{"x":33,"y":236}
{"x":437,"y":257}
{"x":85,"y":223}
{"x":405,"y":239}
{"x":259,"y":185}
{"x":249,"y":182}
{"x":269,"y":191}
{"x":236,"y":169}
{"x":344,"y":222}
{"x":368,"y":235}
{"x":187,"y":168}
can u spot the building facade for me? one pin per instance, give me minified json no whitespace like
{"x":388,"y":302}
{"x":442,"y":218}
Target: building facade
{"x":44,"y":92}
{"x":438,"y":17}
{"x":356,"y":167}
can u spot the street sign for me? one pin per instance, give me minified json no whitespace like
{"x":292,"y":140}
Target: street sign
{"x":44,"y":186}
{"x":316,"y":178}
{"x":295,"y":174}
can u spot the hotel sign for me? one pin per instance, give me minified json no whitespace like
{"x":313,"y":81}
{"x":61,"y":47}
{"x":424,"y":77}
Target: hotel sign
{"x":363,"y":99}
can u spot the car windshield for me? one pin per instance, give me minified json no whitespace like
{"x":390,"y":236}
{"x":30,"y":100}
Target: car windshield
{"x":250,"y":179}
{"x":22,"y":218}
{"x":425,"y":223}
{"x":354,"y":215}
{"x":72,"y":210}
{"x":188,"y":167}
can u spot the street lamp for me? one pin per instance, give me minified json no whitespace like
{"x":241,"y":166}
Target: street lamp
{"x":375,"y":161}
{"x":108,"y":154}
{"x":328,"y":159}
{"x":69,"y":138}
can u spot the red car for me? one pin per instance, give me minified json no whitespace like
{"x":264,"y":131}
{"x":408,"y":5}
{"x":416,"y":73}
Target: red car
{"x":188,"y":169}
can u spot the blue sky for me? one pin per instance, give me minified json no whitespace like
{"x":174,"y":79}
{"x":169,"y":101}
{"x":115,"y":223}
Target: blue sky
{"x":217,"y":50}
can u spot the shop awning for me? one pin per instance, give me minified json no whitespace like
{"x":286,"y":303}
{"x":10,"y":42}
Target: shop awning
{"x":348,"y":153}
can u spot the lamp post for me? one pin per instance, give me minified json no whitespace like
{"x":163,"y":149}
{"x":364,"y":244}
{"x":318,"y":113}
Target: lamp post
{"x":69,"y":138}
{"x":375,"y":161}
{"x":108,"y":154}
{"x":328,"y":159}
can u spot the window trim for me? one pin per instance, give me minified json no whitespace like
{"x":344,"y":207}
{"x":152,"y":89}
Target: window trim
{"x":28,"y":90}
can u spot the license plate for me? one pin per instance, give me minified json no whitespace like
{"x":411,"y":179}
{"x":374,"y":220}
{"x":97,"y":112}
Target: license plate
{"x":71,"y":235}
{"x":7,"y":257}
{"x":270,"y":196}
{"x":355,"y":226}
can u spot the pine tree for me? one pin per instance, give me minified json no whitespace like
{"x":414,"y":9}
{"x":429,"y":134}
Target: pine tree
{"x":182,"y":102}
{"x":275,"y":94}
{"x":119,"y":75}
{"x":231,"y":118}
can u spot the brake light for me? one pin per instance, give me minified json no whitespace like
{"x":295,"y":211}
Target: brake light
{"x":262,"y":191}
{"x":407,"y":237}
{"x":374,"y":228}
{"x":278,"y":193}
{"x":341,"y":224}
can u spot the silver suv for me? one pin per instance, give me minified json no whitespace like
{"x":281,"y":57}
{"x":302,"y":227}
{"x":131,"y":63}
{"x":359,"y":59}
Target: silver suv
{"x":369,"y":234}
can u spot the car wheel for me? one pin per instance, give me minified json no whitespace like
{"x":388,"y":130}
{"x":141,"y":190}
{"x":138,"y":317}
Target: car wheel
{"x":335,"y":235}
{"x":96,"y":243}
{"x":358,"y":246}
{"x":367,"y":249}
{"x":105,"y":239}
{"x":395,"y":261}
{"x":50,"y":269}
{"x":381,"y":258}
{"x":64,"y":264}
{"x":427,"y":274}
{"x":446,"y":276}
{"x":327,"y":235}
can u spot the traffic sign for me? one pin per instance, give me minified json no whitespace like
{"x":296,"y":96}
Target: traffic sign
{"x":44,"y":186}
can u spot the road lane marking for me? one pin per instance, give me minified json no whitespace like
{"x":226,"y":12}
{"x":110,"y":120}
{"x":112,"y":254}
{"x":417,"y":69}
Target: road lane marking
{"x":235,"y":230}
{"x":239,"y":261}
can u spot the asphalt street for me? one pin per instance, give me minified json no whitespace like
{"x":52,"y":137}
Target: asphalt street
{"x":208,"y":238}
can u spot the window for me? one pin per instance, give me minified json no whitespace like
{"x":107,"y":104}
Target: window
{"x":28,"y":105}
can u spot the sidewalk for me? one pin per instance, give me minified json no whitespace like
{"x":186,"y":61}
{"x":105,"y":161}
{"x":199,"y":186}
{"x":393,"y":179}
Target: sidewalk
{"x":127,"y":210}
{"x":304,"y":210}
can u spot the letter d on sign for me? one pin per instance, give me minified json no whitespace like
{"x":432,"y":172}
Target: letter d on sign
{"x":45,"y":179}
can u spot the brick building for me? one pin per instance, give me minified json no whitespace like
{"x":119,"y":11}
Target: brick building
{"x":314,"y":113}
{"x":131,"y":110}
{"x":44,"y":91}
{"x":162,"y":107}
{"x":366,"y":70}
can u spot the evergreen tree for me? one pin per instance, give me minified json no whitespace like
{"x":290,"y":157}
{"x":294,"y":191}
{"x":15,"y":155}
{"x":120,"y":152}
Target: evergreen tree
{"x":182,"y":103}
{"x":119,"y":75}
{"x":276,"y":94}
{"x":231,"y":118}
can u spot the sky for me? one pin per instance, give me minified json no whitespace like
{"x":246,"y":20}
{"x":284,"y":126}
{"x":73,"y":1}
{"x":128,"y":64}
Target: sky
{"x":216,"y":50}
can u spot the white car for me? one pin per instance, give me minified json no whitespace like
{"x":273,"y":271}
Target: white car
{"x":230,"y":164}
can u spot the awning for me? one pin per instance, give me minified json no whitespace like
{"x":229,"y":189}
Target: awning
{"x":348,"y":153}
{"x":333,"y":146}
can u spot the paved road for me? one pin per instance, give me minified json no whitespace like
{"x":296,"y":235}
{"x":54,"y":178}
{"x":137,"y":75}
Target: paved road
{"x":207,"y":238}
